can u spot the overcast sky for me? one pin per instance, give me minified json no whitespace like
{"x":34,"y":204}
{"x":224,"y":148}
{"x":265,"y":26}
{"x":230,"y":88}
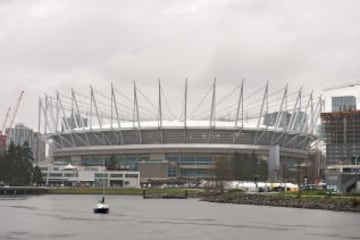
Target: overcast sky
{"x":48,"y":45}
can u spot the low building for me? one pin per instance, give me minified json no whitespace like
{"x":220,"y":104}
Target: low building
{"x":343,"y":178}
{"x":97,"y":176}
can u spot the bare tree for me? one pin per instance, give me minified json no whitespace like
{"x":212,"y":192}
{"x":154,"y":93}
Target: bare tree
{"x":222,"y":171}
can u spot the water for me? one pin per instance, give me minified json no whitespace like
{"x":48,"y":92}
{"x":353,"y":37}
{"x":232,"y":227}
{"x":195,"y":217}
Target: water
{"x":131,"y":217}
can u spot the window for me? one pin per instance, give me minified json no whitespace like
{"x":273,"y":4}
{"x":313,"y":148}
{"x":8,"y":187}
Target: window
{"x":131,"y":175}
{"x":101,"y":175}
{"x":70,"y":175}
{"x":116,"y":175}
{"x":55,"y":174}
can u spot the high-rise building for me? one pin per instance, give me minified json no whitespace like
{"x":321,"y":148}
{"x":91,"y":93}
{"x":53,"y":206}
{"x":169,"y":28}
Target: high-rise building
{"x":21,"y":134}
{"x":344,"y":103}
{"x":284,"y":119}
{"x":73,"y":122}
{"x":270,"y":119}
{"x":38,"y":148}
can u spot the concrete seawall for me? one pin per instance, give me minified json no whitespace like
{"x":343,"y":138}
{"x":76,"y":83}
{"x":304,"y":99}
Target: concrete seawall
{"x":165,"y":196}
{"x":325,"y":203}
{"x":22,"y":190}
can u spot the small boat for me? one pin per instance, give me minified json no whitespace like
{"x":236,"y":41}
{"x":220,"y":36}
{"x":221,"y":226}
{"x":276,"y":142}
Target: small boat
{"x":101,"y":207}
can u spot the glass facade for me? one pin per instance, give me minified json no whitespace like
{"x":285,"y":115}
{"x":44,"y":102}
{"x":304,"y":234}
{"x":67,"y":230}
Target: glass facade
{"x":179,"y":165}
{"x":342,"y":104}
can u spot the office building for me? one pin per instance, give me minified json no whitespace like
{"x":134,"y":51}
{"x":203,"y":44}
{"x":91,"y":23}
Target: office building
{"x":344,"y":103}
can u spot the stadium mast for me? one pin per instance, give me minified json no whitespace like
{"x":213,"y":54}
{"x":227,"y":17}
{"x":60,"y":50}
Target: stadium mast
{"x":136,"y":112}
{"x":114,"y":104}
{"x":160,"y":122}
{"x":240,"y":103}
{"x":93,"y":101}
{"x":185,"y":108}
{"x":212,"y":114}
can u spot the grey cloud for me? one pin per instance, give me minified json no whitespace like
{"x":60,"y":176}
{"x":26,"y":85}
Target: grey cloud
{"x":48,"y":45}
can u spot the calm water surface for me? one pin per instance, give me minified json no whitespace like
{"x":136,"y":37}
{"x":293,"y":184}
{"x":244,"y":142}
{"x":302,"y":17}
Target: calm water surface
{"x":131,"y":218}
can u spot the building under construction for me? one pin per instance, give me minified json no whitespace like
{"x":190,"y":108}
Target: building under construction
{"x":341,"y":131}
{"x":2,"y":144}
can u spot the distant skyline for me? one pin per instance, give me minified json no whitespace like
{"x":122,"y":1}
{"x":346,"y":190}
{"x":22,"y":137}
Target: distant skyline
{"x":63,"y":44}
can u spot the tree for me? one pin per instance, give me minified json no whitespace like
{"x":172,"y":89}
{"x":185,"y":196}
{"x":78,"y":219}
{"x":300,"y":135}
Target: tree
{"x":27,"y":159}
{"x":222,"y":171}
{"x":111,"y":163}
{"x":248,"y":167}
{"x":37,"y":176}
{"x":243,"y":167}
{"x":11,"y":164}
{"x":16,"y":166}
{"x":237,"y":166}
{"x":3,"y":168}
{"x":263,"y":170}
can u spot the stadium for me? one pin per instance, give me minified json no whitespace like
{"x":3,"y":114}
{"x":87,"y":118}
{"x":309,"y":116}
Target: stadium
{"x":138,"y":133}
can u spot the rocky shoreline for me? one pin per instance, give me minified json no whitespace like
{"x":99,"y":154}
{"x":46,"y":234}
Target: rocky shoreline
{"x":324,"y":203}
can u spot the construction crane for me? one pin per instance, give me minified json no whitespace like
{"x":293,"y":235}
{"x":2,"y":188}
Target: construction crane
{"x":5,"y":120}
{"x":343,"y":86}
{"x":16,"y":110}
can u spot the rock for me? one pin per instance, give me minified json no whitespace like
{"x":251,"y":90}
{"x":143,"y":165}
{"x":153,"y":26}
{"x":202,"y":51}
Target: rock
{"x":352,"y":205}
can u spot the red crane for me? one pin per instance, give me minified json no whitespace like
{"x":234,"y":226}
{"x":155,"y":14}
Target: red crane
{"x":13,"y":115}
{"x":5,"y":120}
{"x":16,"y":109}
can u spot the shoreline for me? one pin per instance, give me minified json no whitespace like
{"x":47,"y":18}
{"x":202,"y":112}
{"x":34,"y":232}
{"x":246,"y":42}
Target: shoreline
{"x":320,"y":203}
{"x":151,"y":192}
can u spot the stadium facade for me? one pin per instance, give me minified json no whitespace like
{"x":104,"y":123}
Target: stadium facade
{"x":139,"y":135}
